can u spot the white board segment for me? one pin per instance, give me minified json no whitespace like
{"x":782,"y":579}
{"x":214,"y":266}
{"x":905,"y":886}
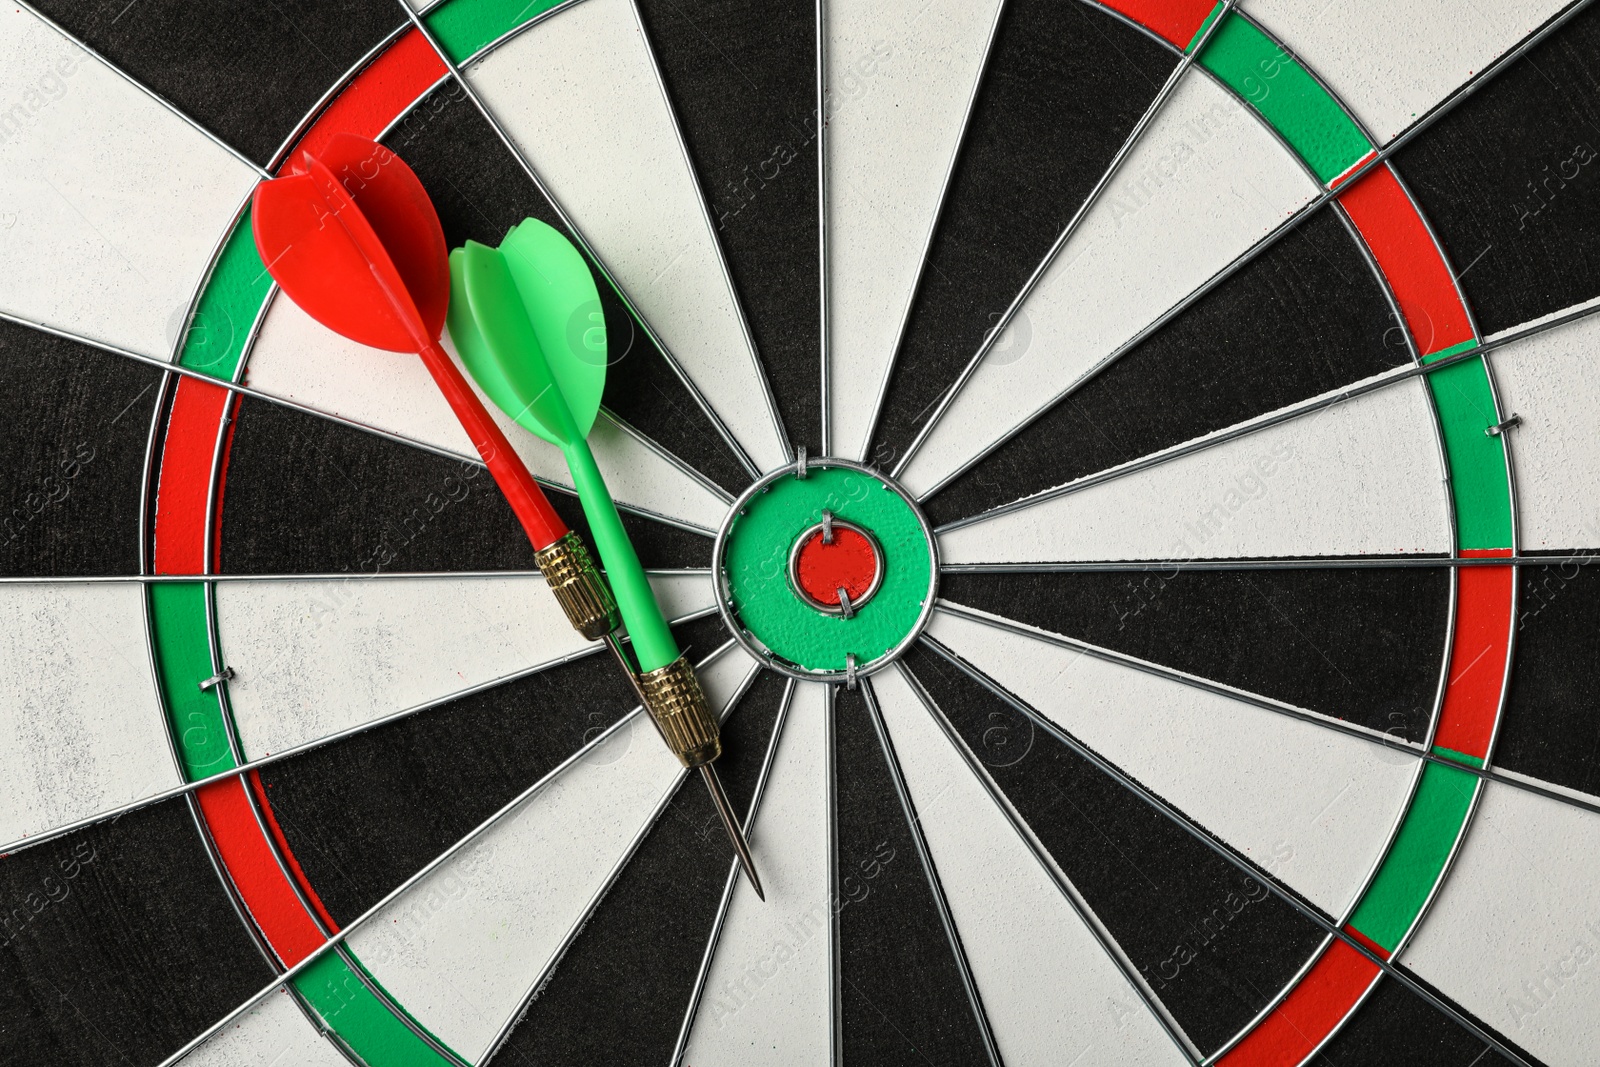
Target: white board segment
{"x":1051,"y":993}
{"x":296,"y":358}
{"x":1312,"y":806}
{"x":1392,"y":62}
{"x":83,"y":726}
{"x":275,"y":1033}
{"x":1359,"y":477}
{"x":1514,"y":935}
{"x":110,"y":205}
{"x":901,"y":76}
{"x":782,"y":1016}
{"x":312,"y":658}
{"x":579,"y":95}
{"x":1549,"y":380}
{"x":463,"y":948}
{"x":1206,"y":181}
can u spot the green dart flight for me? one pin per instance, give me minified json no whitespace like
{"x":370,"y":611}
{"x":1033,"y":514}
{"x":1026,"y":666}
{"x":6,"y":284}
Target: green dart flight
{"x":520,"y":317}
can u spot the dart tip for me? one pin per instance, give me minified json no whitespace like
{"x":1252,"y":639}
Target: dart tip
{"x":741,"y":847}
{"x":749,"y":869}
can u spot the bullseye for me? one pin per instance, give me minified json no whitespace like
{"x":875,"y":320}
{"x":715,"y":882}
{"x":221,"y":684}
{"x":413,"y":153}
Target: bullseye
{"x":826,"y":569}
{"x":836,"y":566}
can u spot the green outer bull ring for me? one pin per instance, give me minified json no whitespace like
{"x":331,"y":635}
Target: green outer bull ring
{"x":780,"y":628}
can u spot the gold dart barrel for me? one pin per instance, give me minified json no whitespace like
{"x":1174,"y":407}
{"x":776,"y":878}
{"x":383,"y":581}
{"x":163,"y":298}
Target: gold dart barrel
{"x":570,"y":573}
{"x":678,"y":705}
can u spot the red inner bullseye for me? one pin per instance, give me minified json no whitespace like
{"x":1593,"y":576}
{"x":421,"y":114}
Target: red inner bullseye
{"x":849,"y":563}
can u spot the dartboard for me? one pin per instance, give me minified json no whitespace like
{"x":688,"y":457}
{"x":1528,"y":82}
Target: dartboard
{"x":1125,"y":474}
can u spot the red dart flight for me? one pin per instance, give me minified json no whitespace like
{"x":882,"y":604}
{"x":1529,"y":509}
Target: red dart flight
{"x":352,"y":238}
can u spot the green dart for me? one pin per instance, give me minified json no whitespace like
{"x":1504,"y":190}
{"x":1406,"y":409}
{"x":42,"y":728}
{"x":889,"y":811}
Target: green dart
{"x":520,"y":316}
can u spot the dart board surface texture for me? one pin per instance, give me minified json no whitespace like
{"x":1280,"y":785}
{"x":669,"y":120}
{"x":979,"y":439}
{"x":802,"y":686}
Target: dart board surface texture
{"x":1126,"y":473}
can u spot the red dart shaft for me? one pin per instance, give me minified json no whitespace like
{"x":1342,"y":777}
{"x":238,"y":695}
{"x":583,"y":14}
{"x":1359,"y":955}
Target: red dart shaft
{"x":543,"y":526}
{"x":539,"y":520}
{"x":312,"y":213}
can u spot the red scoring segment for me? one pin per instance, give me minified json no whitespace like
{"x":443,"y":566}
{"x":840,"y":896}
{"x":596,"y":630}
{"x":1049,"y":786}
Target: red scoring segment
{"x":849,"y":563}
{"x":1176,"y":20}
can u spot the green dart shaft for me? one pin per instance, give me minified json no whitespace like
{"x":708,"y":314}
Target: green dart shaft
{"x":652,"y":640}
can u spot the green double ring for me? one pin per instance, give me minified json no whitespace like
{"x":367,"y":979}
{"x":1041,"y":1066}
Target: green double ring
{"x":777,"y":623}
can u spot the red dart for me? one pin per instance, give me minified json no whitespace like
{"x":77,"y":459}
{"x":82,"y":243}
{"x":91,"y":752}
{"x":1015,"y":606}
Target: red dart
{"x":351,"y":236}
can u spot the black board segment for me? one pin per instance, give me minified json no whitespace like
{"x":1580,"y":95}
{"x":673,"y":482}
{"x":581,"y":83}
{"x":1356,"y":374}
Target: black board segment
{"x":1510,"y":180}
{"x":1549,"y":729}
{"x":103,"y":923}
{"x":76,"y":423}
{"x":246,"y":71}
{"x":1396,"y":1025}
{"x":1065,"y":85}
{"x":481,"y":192}
{"x":364,"y":814}
{"x":1305,"y":317}
{"x":903,"y":1001}
{"x":1359,"y":644}
{"x":640,"y":952}
{"x":743,"y":81}
{"x":1214,"y":944}
{"x":306,"y":495}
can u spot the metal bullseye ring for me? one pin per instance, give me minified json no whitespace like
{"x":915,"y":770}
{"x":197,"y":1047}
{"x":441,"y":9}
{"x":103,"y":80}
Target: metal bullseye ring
{"x":847,"y":605}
